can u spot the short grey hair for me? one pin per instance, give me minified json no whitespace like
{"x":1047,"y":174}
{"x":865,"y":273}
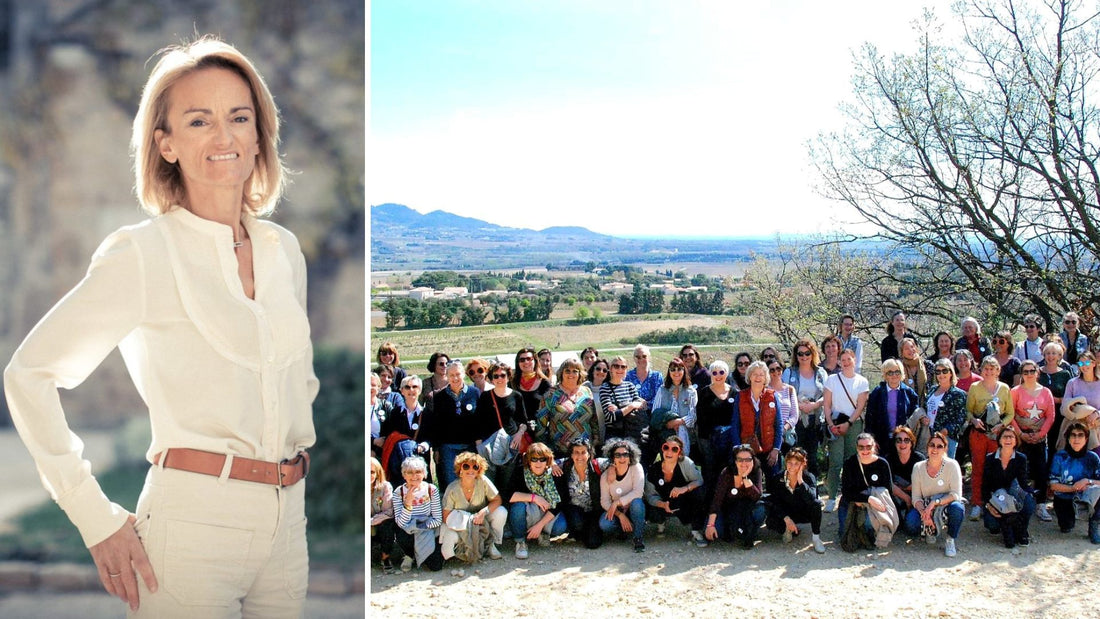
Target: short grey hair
{"x":974,"y":321}
{"x":413,"y":463}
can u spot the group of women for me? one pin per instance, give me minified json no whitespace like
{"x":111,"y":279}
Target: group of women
{"x":729,"y":451}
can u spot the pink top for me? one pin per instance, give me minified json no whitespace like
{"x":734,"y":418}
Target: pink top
{"x":1034,"y":412}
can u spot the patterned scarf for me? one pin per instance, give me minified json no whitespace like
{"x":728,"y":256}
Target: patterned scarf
{"x":542,"y":485}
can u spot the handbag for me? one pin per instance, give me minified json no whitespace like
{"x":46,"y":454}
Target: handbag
{"x":856,"y":536}
{"x":497,"y":448}
{"x":883,"y":523}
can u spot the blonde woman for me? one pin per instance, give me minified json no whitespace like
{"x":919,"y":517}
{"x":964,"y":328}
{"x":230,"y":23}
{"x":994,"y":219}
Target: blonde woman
{"x":988,"y":410}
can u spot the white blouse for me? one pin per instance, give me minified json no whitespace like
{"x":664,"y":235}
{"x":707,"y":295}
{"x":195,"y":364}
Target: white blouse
{"x":219,"y":372}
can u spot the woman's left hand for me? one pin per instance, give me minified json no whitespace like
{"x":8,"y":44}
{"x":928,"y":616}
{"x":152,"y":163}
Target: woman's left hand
{"x":773,"y":457}
{"x":535,"y":531}
{"x":119,"y":559}
{"x":541,"y":502}
{"x":479,"y":517}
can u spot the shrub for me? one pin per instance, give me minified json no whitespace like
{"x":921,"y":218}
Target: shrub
{"x":335,"y":492}
{"x":695,"y":335}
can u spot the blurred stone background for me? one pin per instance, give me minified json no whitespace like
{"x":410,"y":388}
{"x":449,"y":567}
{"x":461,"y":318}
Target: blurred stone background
{"x":71,"y":73}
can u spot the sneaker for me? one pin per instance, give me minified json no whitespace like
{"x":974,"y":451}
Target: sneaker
{"x":1024,"y":541}
{"x":660,"y":528}
{"x":1042,"y":513}
{"x":639,"y":545}
{"x":949,"y":547}
{"x":975,"y":512}
{"x":521,"y":550}
{"x":819,"y":547}
{"x":544,"y":540}
{"x":494,"y":552}
{"x":700,"y":539}
{"x":406,"y":564}
{"x":787,"y":536}
{"x":387,"y":566}
{"x":830,"y":506}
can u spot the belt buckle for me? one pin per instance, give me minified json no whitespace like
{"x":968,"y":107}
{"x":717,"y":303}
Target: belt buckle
{"x":303,"y":457}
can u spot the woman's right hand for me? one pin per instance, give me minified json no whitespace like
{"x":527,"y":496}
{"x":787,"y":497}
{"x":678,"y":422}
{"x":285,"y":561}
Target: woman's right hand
{"x":119,"y":559}
{"x":541,"y":502}
{"x":711,"y":532}
{"x":610,"y":515}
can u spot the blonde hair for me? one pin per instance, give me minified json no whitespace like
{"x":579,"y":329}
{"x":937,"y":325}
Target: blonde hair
{"x":159,"y":184}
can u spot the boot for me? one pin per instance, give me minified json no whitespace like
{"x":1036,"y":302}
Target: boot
{"x":1094,"y":531}
{"x":1008,"y":532}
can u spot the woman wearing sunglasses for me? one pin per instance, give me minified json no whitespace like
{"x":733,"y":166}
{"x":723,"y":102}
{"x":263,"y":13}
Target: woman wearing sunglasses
{"x":674,"y":487}
{"x":1073,"y":341}
{"x":473,"y":516}
{"x":937,"y":496}
{"x":529,"y":380}
{"x":1006,"y":476}
{"x":597,"y":375}
{"x":844,"y":404}
{"x":988,"y":410}
{"x":534,"y":502}
{"x":808,"y":380}
{"x":1003,"y":348}
{"x":716,"y":424}
{"x":1081,"y":400}
{"x":902,"y":459}
{"x":1074,"y":478}
{"x":693,"y":361}
{"x":945,"y":404}
{"x":863,"y":471}
{"x":622,"y":487}
{"x":736,"y":512}
{"x":477,"y":370}
{"x":567,"y":411}
{"x":501,"y":407}
{"x":674,"y":407}
{"x":890,"y":404}
{"x":1034,"y":407}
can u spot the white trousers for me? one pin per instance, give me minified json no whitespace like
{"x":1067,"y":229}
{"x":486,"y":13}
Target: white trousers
{"x":222,"y":548}
{"x":496,"y":519}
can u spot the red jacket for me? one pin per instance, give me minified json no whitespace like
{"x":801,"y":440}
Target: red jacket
{"x":769,"y":416}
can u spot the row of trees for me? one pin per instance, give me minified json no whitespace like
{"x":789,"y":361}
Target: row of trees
{"x":437,"y":313}
{"x":652,"y":301}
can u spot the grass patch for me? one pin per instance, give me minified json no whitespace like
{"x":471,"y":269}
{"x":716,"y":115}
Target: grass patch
{"x":45,"y":534}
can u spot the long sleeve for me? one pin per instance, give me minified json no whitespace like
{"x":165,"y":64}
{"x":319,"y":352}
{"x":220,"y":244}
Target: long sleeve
{"x":60,"y":352}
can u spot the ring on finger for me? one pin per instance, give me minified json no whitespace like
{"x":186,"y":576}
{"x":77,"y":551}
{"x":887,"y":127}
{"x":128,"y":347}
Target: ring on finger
{"x":114,"y":575}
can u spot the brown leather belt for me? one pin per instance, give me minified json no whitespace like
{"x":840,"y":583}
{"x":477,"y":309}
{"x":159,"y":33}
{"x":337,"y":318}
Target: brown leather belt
{"x":285,"y":473}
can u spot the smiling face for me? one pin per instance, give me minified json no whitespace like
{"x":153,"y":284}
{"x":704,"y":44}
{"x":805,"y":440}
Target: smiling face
{"x":211,"y":131}
{"x":454,"y":377}
{"x":899,"y":323}
{"x":970,"y":330}
{"x":743,"y":459}
{"x":847,"y":326}
{"x":908,"y":349}
{"x":1078,"y":439}
{"x":944,"y":344}
{"x":413,"y":476}
{"x":1052,"y":355}
{"x":580,"y":456}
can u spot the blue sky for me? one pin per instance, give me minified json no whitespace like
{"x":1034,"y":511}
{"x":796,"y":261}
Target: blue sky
{"x":631,"y":118}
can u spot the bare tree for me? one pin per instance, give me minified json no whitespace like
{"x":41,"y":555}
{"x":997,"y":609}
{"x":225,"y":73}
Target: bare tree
{"x":979,"y":158}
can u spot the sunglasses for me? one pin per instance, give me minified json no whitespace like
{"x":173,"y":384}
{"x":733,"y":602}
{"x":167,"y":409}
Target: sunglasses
{"x":804,"y":353}
{"x":902,"y":439}
{"x":411,"y":387}
{"x":671,"y":448}
{"x":942,"y":371}
{"x":1031,"y":326}
{"x":539,"y":459}
{"x":675,"y":369}
{"x":476,"y":371}
{"x":466,"y":466}
{"x":743,"y":364}
{"x":1084,"y":363}
{"x":499,"y":375}
{"x":599,"y":368}
{"x":571,"y":371}
{"x":745,"y":460}
{"x":442,"y":364}
{"x":526,"y":359}
{"x":1033,"y":371}
{"x":1069,"y":322}
{"x":1078,"y":435}
{"x":618,"y":366}
{"x":621,"y":455}
{"x":687,"y":354}
{"x":641,"y":356}
{"x":717,"y":372}
{"x":893,"y":373}
{"x":936,"y":446}
{"x":865,"y":447}
{"x":999,"y":341}
{"x":385,"y":353}
{"x":775,"y":370}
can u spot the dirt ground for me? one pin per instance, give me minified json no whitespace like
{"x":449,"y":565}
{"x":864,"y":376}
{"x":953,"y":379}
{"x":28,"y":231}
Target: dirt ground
{"x":674,"y":578}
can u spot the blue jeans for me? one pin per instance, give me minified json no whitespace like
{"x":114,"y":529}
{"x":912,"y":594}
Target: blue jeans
{"x":447,"y":454}
{"x":1017,"y":524}
{"x":517,"y":521}
{"x":955,"y":512}
{"x":742,"y":522}
{"x":952,"y":446}
{"x":635,"y":513}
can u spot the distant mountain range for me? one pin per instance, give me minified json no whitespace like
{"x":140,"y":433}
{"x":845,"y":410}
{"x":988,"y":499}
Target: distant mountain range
{"x":404,"y":239}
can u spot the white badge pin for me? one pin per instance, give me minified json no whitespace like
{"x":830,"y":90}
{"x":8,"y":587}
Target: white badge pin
{"x":660,"y":482}
{"x":730,"y":400}
{"x":939,"y":482}
{"x":469,"y":407}
{"x":618,"y":490}
{"x":874,"y":477}
{"x":771,"y":404}
{"x":733,"y":491}
{"x":415,"y":426}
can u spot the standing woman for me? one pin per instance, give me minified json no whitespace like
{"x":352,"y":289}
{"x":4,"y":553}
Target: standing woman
{"x":808,"y":381}
{"x":844,"y":403}
{"x":401,"y":436}
{"x":787,"y":398}
{"x":567,"y":411}
{"x":1082,"y":399}
{"x":890,"y":404}
{"x":945,"y":406}
{"x":674,"y":407}
{"x":1073,"y":341}
{"x":530,"y":382}
{"x":846,"y":335}
{"x":588,"y":357}
{"x":1003,"y":346}
{"x":1035,"y":412}
{"x":830,"y":349}
{"x":451,"y":424}
{"x":623,"y":409}
{"x":972,"y":339}
{"x":716,"y":423}
{"x":896,"y":332}
{"x":598,"y":373}
{"x":737,"y":377}
{"x":943,"y":347}
{"x":477,"y":370}
{"x":760,"y":419}
{"x":1054,"y":376}
{"x":988,"y":409}
{"x":497,"y":408}
{"x":697,"y":372}
{"x":648,"y":381}
{"x":964,"y":370}
{"x":546,"y":364}
{"x":207,"y":304}
{"x":917,"y":369}
{"x":387,"y":355}
{"x":437,"y":365}
{"x":937,"y":484}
